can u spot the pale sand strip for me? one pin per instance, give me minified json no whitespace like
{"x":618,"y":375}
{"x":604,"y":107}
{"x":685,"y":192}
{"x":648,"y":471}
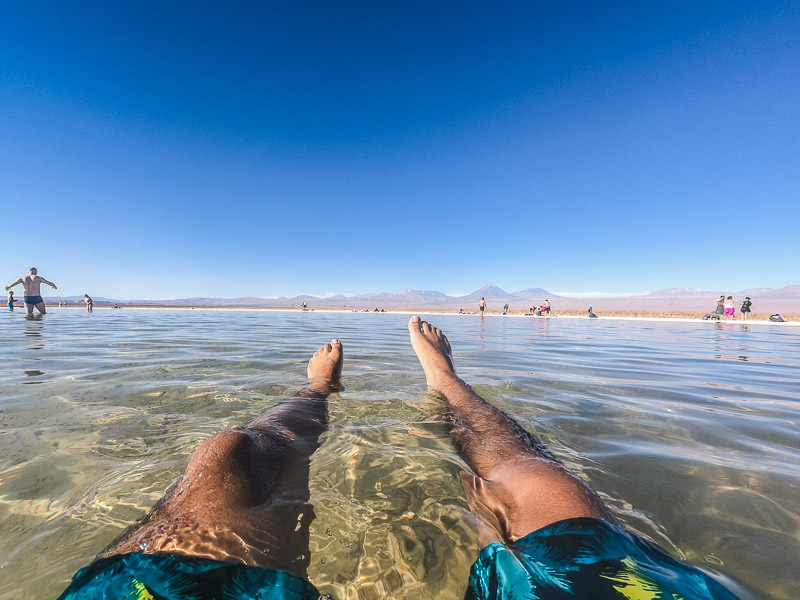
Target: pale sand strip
{"x":443,"y":312}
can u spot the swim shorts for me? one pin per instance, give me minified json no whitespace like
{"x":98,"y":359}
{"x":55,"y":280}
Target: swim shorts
{"x":586,"y":558}
{"x":729,"y":312}
{"x":173,"y":576}
{"x":33,"y":299}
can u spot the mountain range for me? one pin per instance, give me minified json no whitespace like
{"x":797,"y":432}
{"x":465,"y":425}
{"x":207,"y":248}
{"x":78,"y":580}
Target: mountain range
{"x":765,"y":300}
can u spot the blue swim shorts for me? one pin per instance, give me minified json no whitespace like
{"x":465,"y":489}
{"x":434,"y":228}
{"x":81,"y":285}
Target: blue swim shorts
{"x":586,"y":558}
{"x":33,"y":299}
{"x":173,"y":576}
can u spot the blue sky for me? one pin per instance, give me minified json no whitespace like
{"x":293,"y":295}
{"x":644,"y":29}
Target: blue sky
{"x":156,"y":150}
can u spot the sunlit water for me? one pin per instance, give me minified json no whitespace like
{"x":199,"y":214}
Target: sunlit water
{"x":688,"y":431}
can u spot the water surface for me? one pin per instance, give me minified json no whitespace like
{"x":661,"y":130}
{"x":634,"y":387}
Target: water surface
{"x":689,"y":431}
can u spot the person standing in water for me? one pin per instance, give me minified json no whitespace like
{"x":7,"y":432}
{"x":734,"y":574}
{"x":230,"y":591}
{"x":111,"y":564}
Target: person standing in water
{"x":11,"y":299}
{"x":32,"y":283}
{"x":482,"y":305}
{"x":89,"y":302}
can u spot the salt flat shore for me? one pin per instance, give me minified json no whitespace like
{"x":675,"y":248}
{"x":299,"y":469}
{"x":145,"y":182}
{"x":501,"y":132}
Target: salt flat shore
{"x":617,"y":316}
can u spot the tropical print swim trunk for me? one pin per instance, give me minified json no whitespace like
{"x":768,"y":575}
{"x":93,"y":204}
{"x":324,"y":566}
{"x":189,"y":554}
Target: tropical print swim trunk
{"x":175,"y":577}
{"x":588,"y":559}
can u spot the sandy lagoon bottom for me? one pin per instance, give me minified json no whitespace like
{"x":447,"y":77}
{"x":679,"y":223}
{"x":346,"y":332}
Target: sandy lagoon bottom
{"x":688,"y":430}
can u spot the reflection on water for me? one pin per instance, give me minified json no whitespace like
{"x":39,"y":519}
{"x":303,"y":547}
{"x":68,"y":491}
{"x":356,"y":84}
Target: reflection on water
{"x":689,"y":432}
{"x":33,"y":329}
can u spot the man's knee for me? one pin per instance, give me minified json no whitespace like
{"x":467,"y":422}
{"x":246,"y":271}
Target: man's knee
{"x":227,"y":448}
{"x":237,"y":465}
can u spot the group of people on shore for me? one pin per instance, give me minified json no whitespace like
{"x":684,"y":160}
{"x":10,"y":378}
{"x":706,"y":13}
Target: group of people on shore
{"x":32,"y":298}
{"x":543,"y":310}
{"x":726,"y":308}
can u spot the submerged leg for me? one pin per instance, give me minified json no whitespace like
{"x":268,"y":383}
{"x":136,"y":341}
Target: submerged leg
{"x":520,"y":486}
{"x":244,"y":496}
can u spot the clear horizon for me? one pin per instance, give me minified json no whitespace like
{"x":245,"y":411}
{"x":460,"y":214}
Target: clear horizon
{"x":189,"y":150}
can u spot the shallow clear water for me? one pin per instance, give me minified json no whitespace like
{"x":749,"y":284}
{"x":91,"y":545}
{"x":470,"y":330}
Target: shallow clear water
{"x":689,"y":432}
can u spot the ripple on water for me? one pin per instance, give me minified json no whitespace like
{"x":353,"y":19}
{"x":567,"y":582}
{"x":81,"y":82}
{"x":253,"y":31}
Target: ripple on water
{"x":689,"y":432}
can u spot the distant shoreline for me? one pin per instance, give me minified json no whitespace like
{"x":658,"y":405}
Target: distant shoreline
{"x":619,"y":315}
{"x":678,"y":302}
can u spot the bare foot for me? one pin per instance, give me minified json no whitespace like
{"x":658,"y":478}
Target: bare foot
{"x":325,"y":367}
{"x":434,"y":353}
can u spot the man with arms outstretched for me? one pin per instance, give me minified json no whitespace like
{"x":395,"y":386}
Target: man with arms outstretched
{"x":32,"y":282}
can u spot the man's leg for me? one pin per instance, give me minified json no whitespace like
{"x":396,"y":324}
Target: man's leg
{"x":520,"y":486}
{"x":40,"y":307}
{"x":244,"y":496}
{"x":29,"y":309}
